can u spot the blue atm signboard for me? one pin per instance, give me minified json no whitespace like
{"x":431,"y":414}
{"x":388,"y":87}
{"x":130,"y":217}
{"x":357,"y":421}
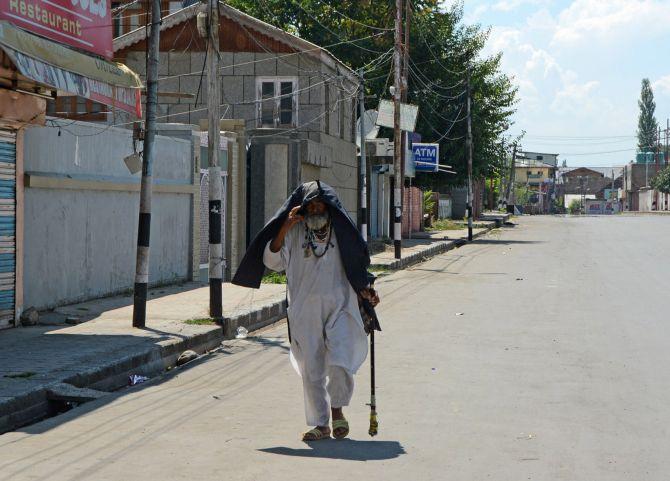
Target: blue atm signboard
{"x":426,"y":157}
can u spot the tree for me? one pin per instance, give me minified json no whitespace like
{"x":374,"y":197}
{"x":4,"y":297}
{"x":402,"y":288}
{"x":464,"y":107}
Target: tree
{"x":647,"y":126}
{"x":575,"y":206}
{"x":661,"y":181}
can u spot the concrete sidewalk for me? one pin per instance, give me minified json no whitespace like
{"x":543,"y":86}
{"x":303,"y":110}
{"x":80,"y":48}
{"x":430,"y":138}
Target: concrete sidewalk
{"x":103,"y":348}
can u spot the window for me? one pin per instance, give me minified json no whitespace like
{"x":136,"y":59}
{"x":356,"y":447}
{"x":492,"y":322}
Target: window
{"x":176,"y":6}
{"x":116,"y":21}
{"x":277,"y":102}
{"x":134,"y":22}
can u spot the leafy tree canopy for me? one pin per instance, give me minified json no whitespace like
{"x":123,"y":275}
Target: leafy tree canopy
{"x":661,"y":181}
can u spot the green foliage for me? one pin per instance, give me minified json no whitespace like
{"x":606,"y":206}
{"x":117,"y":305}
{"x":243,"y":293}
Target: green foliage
{"x":522,"y":195}
{"x":441,"y":47}
{"x":647,"y":125}
{"x":274,"y":278}
{"x":447,"y":224}
{"x":661,"y":181}
{"x":575,"y":206}
{"x":428,"y":202}
{"x":207,"y":321}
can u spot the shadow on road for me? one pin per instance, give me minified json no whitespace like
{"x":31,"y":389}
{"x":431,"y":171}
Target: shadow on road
{"x":504,"y":241}
{"x":269,"y":342}
{"x":347,"y":449}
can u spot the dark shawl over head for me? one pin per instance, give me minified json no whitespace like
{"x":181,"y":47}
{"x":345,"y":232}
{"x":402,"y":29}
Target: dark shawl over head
{"x":353,"y":249}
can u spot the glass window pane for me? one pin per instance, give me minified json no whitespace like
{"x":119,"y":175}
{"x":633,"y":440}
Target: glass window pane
{"x":286,"y":117}
{"x":268,"y":90}
{"x":286,"y":88}
{"x":286,"y":103}
{"x":268,"y":112}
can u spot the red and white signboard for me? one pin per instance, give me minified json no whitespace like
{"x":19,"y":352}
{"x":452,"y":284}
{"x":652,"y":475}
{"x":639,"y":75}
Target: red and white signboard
{"x":83,"y":24}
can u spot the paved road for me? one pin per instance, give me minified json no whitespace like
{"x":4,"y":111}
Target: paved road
{"x":557,"y":369}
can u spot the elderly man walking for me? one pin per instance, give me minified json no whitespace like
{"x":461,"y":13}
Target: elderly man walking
{"x":315,"y":241}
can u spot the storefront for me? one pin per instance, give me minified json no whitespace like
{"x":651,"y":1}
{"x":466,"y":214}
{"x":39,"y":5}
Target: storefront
{"x":34,"y":69}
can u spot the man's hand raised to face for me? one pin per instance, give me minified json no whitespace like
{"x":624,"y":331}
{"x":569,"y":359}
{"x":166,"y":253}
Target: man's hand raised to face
{"x":293,"y":217}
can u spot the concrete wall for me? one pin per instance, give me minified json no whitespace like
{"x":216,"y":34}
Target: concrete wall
{"x":81,"y":211}
{"x":239,"y":72}
{"x":340,"y":172}
{"x":646,"y":200}
{"x":276,"y":178}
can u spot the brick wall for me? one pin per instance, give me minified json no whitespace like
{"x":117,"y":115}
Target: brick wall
{"x":416,"y":197}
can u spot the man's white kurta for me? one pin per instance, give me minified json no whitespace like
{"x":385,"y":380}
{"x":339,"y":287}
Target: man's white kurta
{"x":325,"y":321}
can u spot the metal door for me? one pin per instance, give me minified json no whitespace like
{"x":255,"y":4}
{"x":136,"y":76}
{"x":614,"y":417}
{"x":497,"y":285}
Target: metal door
{"x":7,"y":227}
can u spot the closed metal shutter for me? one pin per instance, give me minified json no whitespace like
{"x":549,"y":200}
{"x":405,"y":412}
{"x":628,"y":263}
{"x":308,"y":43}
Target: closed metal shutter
{"x":7,"y":226}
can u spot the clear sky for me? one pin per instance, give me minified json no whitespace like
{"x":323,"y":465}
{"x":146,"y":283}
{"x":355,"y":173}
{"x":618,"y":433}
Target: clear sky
{"x":579,"y":65}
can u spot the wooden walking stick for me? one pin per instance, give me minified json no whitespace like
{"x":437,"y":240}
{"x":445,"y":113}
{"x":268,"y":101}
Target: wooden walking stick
{"x":373,"y":325}
{"x":374,"y":425}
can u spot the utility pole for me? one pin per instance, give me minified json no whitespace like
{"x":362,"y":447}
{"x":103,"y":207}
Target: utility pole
{"x":510,"y":183}
{"x":215,"y":186}
{"x":658,"y":148}
{"x":667,"y":134}
{"x":512,"y":177}
{"x":403,"y":98}
{"x":364,"y":190}
{"x":144,"y":223}
{"x":397,"y":137}
{"x":468,"y":142}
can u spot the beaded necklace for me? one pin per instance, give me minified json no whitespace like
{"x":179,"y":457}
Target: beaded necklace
{"x":311,"y":236}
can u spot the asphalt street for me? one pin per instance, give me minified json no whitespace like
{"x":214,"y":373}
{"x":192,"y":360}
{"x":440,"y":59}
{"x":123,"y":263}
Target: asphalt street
{"x":539,"y":352}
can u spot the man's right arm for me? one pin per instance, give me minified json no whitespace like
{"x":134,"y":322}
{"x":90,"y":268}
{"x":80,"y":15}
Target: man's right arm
{"x":292,"y":219}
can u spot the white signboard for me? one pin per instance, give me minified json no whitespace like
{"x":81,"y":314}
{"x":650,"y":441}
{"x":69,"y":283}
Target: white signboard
{"x":408,"y":115}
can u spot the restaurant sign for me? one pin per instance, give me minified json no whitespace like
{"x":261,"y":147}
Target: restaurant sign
{"x":83,"y":24}
{"x":72,"y":72}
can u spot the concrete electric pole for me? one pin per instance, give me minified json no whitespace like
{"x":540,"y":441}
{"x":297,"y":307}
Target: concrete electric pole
{"x":144,"y":225}
{"x":468,"y":143}
{"x":364,"y":192}
{"x":215,"y":185}
{"x":397,"y":137}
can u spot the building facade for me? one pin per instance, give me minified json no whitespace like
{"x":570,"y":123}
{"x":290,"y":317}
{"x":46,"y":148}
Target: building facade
{"x":296,"y":100}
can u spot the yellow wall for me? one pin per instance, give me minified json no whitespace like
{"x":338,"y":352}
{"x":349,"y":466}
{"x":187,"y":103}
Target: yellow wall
{"x":522,"y":174}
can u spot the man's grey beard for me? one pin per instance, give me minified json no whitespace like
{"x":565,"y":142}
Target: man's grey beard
{"x":316,"y":222}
